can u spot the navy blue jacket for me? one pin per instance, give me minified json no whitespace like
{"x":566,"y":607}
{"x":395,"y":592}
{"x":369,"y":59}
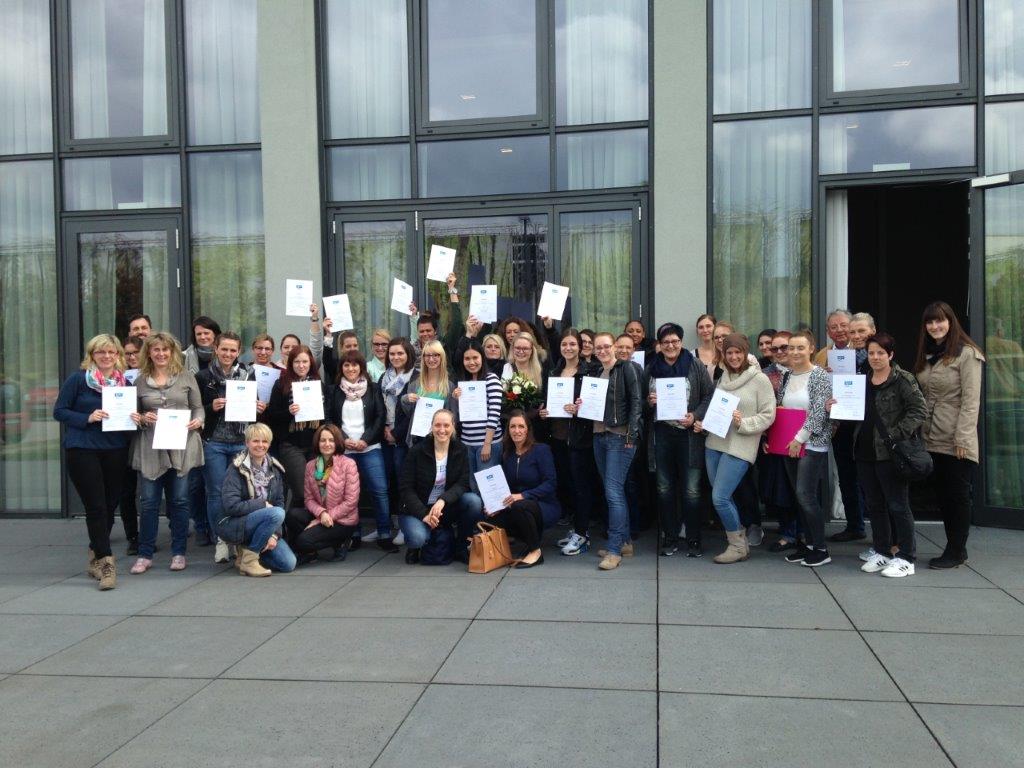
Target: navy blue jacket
{"x":74,"y":404}
{"x":533,"y":475}
{"x":238,"y":497}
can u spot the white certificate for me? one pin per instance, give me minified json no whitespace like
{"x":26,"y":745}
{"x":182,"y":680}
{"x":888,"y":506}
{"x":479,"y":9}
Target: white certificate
{"x":593,"y":394}
{"x":842,"y":360}
{"x":493,"y":488}
{"x":131,"y":375}
{"x":561,"y":392}
{"x":441,"y":264}
{"x":266,"y":375}
{"x":119,"y":403}
{"x":339,"y":311}
{"x":241,"y":401}
{"x":401,"y":296}
{"x":552,"y":301}
{"x":848,"y":390}
{"x":298,"y":295}
{"x":170,"y":433}
{"x":473,"y":401}
{"x":638,"y":357}
{"x":673,"y":398}
{"x":308,"y":395}
{"x":483,"y":303}
{"x":718,"y":419}
{"x":423,"y":415}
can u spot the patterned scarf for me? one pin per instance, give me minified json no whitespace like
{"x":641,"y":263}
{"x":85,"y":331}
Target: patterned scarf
{"x":262,"y":474}
{"x":96,"y":381}
{"x":353,"y":390}
{"x":322,"y":474}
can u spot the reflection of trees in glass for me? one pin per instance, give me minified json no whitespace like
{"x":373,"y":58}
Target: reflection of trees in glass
{"x":374,"y":256}
{"x":122,"y":274}
{"x":597,"y":262}
{"x":229,"y":283}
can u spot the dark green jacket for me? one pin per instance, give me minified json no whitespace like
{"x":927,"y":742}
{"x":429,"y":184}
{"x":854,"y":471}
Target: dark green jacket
{"x":900,"y":406}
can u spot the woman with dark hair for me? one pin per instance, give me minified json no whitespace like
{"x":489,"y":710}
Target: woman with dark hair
{"x":638,"y":333}
{"x":586,"y":346}
{"x":893,"y":402}
{"x":289,"y":342}
{"x":401,"y":365}
{"x":764,"y":346}
{"x":948,"y":369}
{"x":705,"y":349}
{"x":198,"y":356}
{"x":479,"y":436}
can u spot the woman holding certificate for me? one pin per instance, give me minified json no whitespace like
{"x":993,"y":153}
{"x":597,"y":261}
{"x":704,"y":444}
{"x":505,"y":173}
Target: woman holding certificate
{"x":401,"y":366}
{"x":479,"y":435}
{"x":294,"y":438}
{"x":169,"y":445}
{"x":431,"y":380}
{"x":96,"y":456}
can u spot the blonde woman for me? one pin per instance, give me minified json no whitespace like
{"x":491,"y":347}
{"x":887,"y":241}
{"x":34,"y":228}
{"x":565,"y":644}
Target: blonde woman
{"x":527,"y":358}
{"x":377,"y":360}
{"x":431,"y":380}
{"x":96,"y":459}
{"x":495,"y":353}
{"x":164,"y":383}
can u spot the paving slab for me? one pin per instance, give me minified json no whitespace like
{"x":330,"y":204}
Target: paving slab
{"x":954,"y":669}
{"x":163,"y":646}
{"x":546,"y":653}
{"x":846,"y":570}
{"x":354,"y":563}
{"x":771,"y":662}
{"x":46,"y":560}
{"x":977,"y":737}
{"x":274,"y":723}
{"x":583,"y":600}
{"x":395,"y":565}
{"x":16,"y":585}
{"x":989,"y":541}
{"x":24,"y":640}
{"x":763,"y":567}
{"x":1005,"y":571}
{"x":33,"y":532}
{"x":445,"y":597}
{"x":392,"y":650}
{"x":739,"y":604}
{"x":793,"y":732}
{"x":558,"y":566}
{"x":516,"y":727}
{"x":229,"y":594}
{"x":77,"y":721}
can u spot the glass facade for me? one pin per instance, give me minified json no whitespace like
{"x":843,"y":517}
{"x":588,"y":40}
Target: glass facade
{"x":1004,"y":46}
{"x":597,"y":251}
{"x":509,"y":165}
{"x":1004,"y":136}
{"x":374,"y":172}
{"x":122,"y":183}
{"x":26,"y":121}
{"x":602,"y":159}
{"x":374,"y":254}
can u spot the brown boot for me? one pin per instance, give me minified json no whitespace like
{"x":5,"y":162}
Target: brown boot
{"x":108,"y":573}
{"x":737,"y":549}
{"x":249,"y":564}
{"x":94,"y":565}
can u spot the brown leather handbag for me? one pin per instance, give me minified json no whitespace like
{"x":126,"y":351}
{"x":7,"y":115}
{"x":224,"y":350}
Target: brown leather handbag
{"x":489,"y":549}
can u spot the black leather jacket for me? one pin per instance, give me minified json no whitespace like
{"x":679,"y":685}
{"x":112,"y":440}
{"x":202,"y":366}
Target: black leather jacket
{"x":624,"y":403}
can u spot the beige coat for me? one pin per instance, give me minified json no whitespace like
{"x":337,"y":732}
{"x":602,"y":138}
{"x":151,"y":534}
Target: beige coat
{"x":952,"y":393}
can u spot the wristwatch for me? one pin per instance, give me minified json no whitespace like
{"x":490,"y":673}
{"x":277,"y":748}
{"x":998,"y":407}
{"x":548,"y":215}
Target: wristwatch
{"x":453,"y":291}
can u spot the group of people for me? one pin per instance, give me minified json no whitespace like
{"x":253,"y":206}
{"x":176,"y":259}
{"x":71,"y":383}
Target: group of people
{"x":278,"y":493}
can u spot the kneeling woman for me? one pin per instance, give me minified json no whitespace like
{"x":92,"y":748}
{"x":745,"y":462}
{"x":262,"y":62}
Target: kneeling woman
{"x":252,"y":500}
{"x":331,"y":512}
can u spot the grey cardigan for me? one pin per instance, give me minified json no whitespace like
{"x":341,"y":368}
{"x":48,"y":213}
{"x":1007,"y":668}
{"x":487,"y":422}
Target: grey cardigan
{"x":181,"y":392}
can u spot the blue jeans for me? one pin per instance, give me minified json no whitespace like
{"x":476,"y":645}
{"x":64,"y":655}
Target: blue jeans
{"x":175,"y":489}
{"x":725,"y":473}
{"x":613,"y":459}
{"x":197,"y":500}
{"x":259,"y":527}
{"x":468,"y":510}
{"x":477,"y":464}
{"x":218,"y":456}
{"x":373,"y":475}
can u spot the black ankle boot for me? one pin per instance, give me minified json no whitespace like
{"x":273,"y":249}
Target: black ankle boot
{"x":412,"y":556}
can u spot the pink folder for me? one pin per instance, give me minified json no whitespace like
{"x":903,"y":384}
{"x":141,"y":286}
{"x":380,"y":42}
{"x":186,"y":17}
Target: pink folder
{"x":788,"y":422}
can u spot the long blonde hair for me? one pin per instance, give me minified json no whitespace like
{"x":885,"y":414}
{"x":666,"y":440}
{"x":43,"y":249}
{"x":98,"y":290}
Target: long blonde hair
{"x":433,"y":347}
{"x":534,"y":371}
{"x":98,"y":342}
{"x":177,"y":362}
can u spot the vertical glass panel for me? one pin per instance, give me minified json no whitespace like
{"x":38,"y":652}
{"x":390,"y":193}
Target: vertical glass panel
{"x":228,"y":264}
{"x":481,"y":59}
{"x":122,"y":183}
{"x":484,"y":166}
{"x":879,"y":44}
{"x":374,"y":256}
{"x":897,"y":140}
{"x":366,"y":46}
{"x":118,"y":68}
{"x":513,"y":251}
{"x":222,"y":72}
{"x":1004,"y":137}
{"x":1004,"y":337}
{"x":762,"y":223}
{"x":26,"y":123}
{"x":376,"y":172}
{"x":597,"y":264}
{"x":29,"y":374}
{"x":600,"y":159}
{"x":762,"y":53}
{"x":600,"y":61}
{"x":1004,"y":46}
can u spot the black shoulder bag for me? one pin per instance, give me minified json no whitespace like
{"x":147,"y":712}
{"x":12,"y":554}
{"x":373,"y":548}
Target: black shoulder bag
{"x":910,"y":458}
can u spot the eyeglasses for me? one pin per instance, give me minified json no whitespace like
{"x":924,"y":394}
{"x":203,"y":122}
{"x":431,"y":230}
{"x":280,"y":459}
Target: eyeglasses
{"x":380,"y":343}
{"x":783,"y":348}
{"x":720,"y":336}
{"x":673,"y":343}
{"x":431,"y":355}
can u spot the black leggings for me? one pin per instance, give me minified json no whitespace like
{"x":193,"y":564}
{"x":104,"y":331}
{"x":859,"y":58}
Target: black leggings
{"x":305,"y":540}
{"x":98,"y":476}
{"x":523,"y":520}
{"x":294,"y":460}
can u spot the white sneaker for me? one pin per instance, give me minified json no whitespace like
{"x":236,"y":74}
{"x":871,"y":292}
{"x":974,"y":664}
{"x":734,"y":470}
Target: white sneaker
{"x":876,"y":563}
{"x":221,"y":554}
{"x":371,"y":536}
{"x":898,"y":568}
{"x":867,"y":554}
{"x":399,"y":539}
{"x":755,"y":535}
{"x":576,"y":545}
{"x":565,"y":539}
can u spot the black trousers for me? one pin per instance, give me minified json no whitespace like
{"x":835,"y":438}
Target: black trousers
{"x":98,"y":476}
{"x":952,"y":480}
{"x":129,"y":503}
{"x":887,"y":495}
{"x":563,"y":470}
{"x":305,"y":540}
{"x":294,"y":460}
{"x":523,"y":521}
{"x":846,"y":468}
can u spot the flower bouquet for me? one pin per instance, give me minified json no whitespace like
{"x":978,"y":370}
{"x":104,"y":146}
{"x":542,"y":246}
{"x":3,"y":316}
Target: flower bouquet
{"x":519,"y":392}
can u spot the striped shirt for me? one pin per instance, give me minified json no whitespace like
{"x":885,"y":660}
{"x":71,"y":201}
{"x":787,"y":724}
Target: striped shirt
{"x":474,"y":432}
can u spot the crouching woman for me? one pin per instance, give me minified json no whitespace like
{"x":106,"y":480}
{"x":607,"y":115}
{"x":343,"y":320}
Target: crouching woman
{"x":253,"y":507}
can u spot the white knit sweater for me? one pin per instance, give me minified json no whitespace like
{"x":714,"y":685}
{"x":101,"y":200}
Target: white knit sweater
{"x":757,"y":405}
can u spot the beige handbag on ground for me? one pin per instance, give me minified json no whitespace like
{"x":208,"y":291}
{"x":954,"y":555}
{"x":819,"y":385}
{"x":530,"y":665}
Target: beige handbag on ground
{"x":489,"y":549}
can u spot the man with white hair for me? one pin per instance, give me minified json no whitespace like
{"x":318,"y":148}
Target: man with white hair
{"x":837,"y":326}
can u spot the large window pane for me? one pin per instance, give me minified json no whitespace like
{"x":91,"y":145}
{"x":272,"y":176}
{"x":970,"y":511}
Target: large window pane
{"x":376,"y":172}
{"x":25,"y":121}
{"x":1004,"y":46}
{"x":374,"y":256}
{"x":228,"y":265}
{"x":880,"y":44}
{"x":484,"y":166}
{"x":222,"y":72}
{"x":762,"y":223}
{"x":601,"y":159}
{"x":109,"y":183}
{"x":762,"y":53}
{"x":367,"y":68}
{"x":601,"y":61}
{"x":1004,"y":137}
{"x":118,"y":68}
{"x":481,"y":59}
{"x":897,"y":140}
{"x":597,"y":263}
{"x":29,"y":437}
{"x":1004,"y":337}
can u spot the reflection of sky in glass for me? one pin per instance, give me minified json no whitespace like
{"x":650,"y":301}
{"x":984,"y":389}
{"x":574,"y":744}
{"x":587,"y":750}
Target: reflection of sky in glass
{"x":484,"y":166}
